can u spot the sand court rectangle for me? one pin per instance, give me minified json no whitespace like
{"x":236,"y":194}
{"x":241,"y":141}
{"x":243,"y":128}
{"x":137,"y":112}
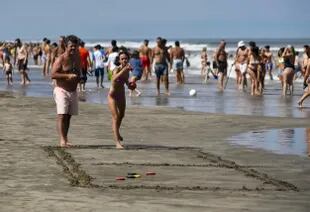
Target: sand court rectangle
{"x":173,"y":168}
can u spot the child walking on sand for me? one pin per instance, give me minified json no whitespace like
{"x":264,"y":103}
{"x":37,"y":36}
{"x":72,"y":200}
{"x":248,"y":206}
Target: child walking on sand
{"x":8,"y":70}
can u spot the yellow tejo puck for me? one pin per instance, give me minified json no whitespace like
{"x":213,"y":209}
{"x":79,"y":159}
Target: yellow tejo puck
{"x":133,"y":176}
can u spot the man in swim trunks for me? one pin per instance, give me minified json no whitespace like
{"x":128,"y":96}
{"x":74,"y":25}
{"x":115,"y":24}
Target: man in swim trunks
{"x":98,"y":58}
{"x":177,"y":57}
{"x":61,"y":46}
{"x":46,"y":57}
{"x":161,"y":59}
{"x":66,"y":72}
{"x":36,"y":53}
{"x":221,"y":62}
{"x":85,"y":65}
{"x":145,"y":57}
{"x":54,"y":49}
{"x":241,"y":62}
{"x":21,"y":60}
{"x":268,"y":64}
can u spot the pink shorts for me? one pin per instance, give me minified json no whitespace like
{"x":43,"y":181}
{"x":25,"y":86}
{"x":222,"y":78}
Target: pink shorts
{"x":66,"y":102}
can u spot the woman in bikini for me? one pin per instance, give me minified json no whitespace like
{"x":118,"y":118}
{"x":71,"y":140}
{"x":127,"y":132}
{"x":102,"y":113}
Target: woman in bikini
{"x":253,"y":69}
{"x":288,"y":72}
{"x":117,"y":97}
{"x":307,"y":90}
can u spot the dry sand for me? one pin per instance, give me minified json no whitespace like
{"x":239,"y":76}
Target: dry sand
{"x":196,"y":168}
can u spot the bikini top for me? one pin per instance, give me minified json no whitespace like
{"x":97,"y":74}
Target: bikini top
{"x":120,"y":79}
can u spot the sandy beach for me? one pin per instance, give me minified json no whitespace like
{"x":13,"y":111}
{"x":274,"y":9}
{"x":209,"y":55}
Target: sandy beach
{"x":196,"y":168}
{"x":209,"y":122}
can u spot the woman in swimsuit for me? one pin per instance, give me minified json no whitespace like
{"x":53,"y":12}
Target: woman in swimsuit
{"x":253,"y":69}
{"x":307,"y":91}
{"x":288,"y":72}
{"x":116,"y":96}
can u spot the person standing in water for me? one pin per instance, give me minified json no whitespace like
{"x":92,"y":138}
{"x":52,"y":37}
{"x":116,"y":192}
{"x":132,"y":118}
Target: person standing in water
{"x":21,"y":60}
{"x":85,"y":65}
{"x":269,"y":57}
{"x":221,"y":62}
{"x":203,"y":62}
{"x":137,"y":72}
{"x":145,"y":57}
{"x":241,"y":64}
{"x":8,"y":70}
{"x":160,"y":58}
{"x":46,"y":57}
{"x":307,"y":69}
{"x":177,"y":57}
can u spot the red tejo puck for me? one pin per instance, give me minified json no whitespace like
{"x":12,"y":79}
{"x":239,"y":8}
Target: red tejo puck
{"x":120,"y":178}
{"x":150,"y":173}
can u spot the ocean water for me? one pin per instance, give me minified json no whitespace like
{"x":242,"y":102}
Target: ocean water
{"x":208,"y":99}
{"x":193,"y":47}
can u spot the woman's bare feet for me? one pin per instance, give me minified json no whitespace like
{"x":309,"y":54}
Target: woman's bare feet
{"x":62,"y":144}
{"x":119,"y":145}
{"x":69,"y":144}
{"x":299,"y":103}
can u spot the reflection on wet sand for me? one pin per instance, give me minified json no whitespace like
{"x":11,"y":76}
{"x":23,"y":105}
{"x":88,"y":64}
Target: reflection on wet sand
{"x":308,"y":141}
{"x":295,"y":141}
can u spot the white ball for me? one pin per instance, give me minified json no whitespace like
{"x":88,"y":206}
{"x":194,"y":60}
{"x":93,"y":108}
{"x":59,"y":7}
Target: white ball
{"x":192,"y":92}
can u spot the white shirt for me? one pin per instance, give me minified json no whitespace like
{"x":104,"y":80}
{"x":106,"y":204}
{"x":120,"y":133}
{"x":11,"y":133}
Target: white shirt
{"x":111,"y":59}
{"x":98,"y":57}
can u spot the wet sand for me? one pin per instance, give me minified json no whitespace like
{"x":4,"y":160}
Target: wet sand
{"x":197,"y":169}
{"x":208,"y":98}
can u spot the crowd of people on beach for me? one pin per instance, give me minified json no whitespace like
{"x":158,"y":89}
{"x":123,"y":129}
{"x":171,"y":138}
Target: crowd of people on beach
{"x":69,"y":63}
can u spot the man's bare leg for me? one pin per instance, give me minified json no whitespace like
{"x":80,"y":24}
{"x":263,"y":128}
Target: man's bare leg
{"x":221,"y":82}
{"x":44,"y":67}
{"x":101,"y":81}
{"x":22,"y":79}
{"x":166,"y":80}
{"x":61,"y":129}
{"x":301,"y":100}
{"x":149,"y":73}
{"x":67,"y":126}
{"x":97,"y":82}
{"x":158,"y":86}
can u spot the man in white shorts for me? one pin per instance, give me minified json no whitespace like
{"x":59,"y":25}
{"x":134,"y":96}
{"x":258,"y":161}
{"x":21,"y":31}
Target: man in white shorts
{"x":66,"y":72}
{"x":241,"y":64}
{"x":177,"y":56}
